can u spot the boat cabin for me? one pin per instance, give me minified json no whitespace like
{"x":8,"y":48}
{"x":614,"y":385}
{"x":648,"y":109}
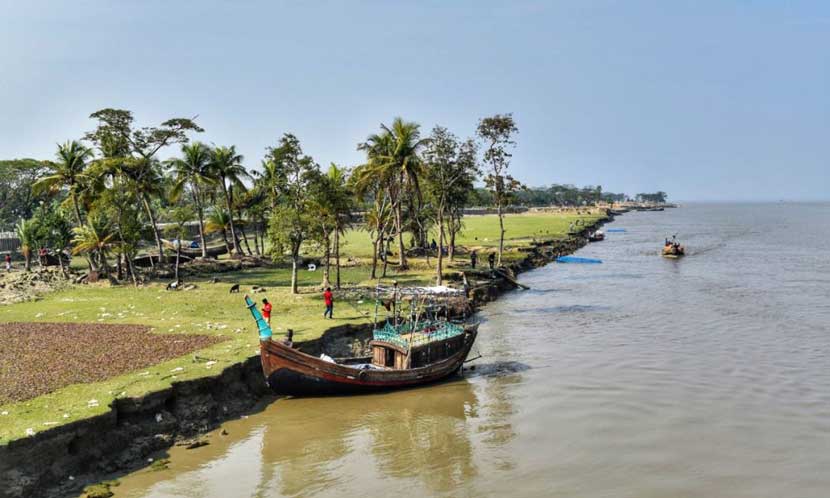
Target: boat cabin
{"x":415,"y":349}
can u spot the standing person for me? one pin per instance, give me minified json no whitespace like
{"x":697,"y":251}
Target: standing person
{"x":473,"y":259}
{"x":266,"y":311}
{"x":492,"y":260}
{"x":8,"y":262}
{"x":42,"y":256}
{"x":328,"y":298}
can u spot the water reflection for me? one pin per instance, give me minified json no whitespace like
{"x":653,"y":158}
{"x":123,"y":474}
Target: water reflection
{"x":310,"y":446}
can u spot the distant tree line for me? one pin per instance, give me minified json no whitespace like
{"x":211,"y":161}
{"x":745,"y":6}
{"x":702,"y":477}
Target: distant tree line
{"x":554,"y":195}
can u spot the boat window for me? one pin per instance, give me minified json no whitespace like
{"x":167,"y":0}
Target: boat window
{"x":390,"y":357}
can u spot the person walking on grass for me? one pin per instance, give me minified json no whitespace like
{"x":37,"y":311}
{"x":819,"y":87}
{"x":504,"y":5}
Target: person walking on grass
{"x":328,"y":298}
{"x":266,"y":311}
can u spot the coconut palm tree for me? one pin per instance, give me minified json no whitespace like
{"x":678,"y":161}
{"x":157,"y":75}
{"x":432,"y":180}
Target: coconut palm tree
{"x":193,"y":170}
{"x":26,"y":234}
{"x":219,"y":221}
{"x":395,"y":152}
{"x":226,"y":167}
{"x":69,"y":171}
{"x":95,"y":237}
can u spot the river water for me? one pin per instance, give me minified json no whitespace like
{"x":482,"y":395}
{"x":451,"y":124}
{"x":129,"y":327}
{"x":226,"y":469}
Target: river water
{"x":640,"y":377}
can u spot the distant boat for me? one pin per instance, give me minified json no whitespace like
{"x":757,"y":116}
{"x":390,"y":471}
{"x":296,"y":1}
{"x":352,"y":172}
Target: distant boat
{"x":615,"y":230}
{"x":673,"y":249}
{"x":596,"y":236}
{"x":575,"y":259}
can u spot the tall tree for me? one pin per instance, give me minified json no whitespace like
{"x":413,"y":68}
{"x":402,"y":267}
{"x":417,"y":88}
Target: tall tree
{"x":371,"y":186}
{"x":333,"y":202}
{"x":192,"y":171}
{"x":69,"y":172}
{"x":134,"y":151}
{"x":448,"y":165}
{"x":18,"y":198}
{"x":95,"y":237}
{"x":26,"y":234}
{"x":178,"y":229}
{"x":293,"y":219}
{"x":497,"y":134}
{"x":226,"y":167}
{"x":396,"y":150}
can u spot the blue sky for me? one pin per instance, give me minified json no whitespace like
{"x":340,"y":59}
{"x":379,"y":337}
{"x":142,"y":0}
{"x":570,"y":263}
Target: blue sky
{"x":708,"y":100}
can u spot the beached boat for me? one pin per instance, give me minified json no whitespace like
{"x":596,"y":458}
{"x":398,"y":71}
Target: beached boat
{"x":596,"y":236}
{"x":406,"y":355}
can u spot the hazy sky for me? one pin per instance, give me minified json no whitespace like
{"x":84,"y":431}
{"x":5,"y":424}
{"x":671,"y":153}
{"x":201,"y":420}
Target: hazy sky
{"x":703,"y":99}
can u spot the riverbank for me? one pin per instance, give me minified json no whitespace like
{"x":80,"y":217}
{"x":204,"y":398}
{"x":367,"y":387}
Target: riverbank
{"x":155,"y":420}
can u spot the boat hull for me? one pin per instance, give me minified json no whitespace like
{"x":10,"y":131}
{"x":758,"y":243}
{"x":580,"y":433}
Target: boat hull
{"x":292,"y":372}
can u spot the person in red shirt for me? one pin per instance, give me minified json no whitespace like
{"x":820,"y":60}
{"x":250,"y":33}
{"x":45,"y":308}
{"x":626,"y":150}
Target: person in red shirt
{"x":266,"y":311}
{"x":8,"y":262}
{"x":328,"y":297}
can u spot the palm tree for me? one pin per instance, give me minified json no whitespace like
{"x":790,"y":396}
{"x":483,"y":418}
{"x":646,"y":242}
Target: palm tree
{"x":146,"y":180}
{"x":26,"y":234}
{"x":226,"y":167}
{"x":94,"y":238}
{"x":219,"y":221}
{"x":68,"y":171}
{"x":193,"y":169}
{"x":396,"y":150}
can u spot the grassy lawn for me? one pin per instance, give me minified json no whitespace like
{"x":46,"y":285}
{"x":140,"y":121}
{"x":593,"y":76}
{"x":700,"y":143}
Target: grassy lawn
{"x":211,"y":309}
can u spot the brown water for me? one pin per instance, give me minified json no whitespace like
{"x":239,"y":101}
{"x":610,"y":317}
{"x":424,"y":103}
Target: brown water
{"x":641,"y":377}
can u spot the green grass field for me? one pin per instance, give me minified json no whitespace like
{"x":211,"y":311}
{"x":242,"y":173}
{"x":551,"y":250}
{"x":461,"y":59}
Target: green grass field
{"x":211,"y":309}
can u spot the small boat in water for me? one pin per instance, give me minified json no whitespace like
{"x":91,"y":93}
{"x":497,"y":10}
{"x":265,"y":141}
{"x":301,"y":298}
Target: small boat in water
{"x":673,"y":249}
{"x":596,"y":236}
{"x":577,"y":259}
{"x":408,"y":354}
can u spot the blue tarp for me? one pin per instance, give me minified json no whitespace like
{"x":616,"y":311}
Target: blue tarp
{"x":575,"y":259}
{"x":616,"y":230}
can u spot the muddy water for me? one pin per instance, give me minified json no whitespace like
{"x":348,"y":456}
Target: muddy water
{"x":640,"y":377}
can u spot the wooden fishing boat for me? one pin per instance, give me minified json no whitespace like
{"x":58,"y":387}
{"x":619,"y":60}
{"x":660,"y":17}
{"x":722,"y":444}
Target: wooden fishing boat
{"x":402,"y":356}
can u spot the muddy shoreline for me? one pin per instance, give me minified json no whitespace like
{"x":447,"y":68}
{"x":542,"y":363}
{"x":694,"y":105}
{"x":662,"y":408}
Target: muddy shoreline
{"x":61,"y":461}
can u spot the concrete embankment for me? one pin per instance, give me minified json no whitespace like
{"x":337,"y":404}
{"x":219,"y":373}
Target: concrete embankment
{"x":60,"y":461}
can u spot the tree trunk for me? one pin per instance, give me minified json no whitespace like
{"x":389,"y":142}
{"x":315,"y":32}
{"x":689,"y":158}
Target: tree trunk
{"x":60,"y":262}
{"x":377,"y":247}
{"x":230,"y":217}
{"x":452,"y":241}
{"x":245,"y":240}
{"x":439,"y":279}
{"x":27,"y":260}
{"x":131,"y":269}
{"x":156,"y":232}
{"x":327,"y":256}
{"x":399,"y":223}
{"x":227,"y":244}
{"x":80,"y":223}
{"x":337,"y":258}
{"x":294,"y":263}
{"x":257,"y":239}
{"x":178,"y":254}
{"x":385,"y":258}
{"x":501,"y":231}
{"x":201,"y":214}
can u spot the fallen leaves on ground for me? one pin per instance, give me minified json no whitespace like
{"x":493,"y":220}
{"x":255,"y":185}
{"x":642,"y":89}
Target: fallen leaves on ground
{"x":38,"y":358}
